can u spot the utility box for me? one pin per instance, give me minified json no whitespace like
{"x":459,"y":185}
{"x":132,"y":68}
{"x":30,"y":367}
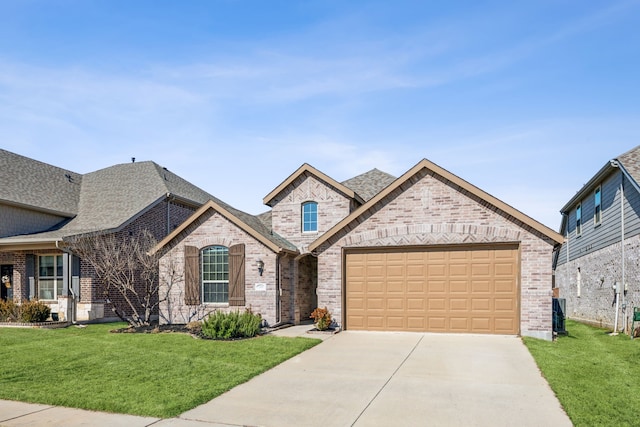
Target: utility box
{"x":559,"y":310}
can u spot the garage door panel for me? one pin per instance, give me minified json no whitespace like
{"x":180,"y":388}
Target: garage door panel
{"x":437,"y":270}
{"x":480,"y":305}
{"x":437,"y":304}
{"x":396,"y":322}
{"x":437,"y":324}
{"x":458,"y":286}
{"x":436,"y":286}
{"x":395,"y":304}
{"x":414,"y":304}
{"x":480,"y":324}
{"x":459,"y":304}
{"x":459,"y":324}
{"x":417,"y":324}
{"x":504,"y":325}
{"x":415,"y":287}
{"x":472,"y":290}
{"x":458,"y":270}
{"x":505,"y":304}
{"x":480,"y":286}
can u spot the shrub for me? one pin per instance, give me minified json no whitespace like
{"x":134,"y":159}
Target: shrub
{"x":322,"y":318}
{"x":220,"y":325}
{"x":9,"y":311}
{"x":34,"y":311}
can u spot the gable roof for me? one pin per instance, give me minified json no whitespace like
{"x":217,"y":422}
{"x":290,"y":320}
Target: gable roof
{"x":629,"y":165}
{"x":370,"y":183}
{"x":426,"y":164}
{"x":249,"y":223}
{"x":308,"y":169}
{"x":39,"y":186}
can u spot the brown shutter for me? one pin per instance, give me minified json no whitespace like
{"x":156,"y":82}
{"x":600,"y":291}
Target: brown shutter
{"x":191,"y":275}
{"x":236,"y":275}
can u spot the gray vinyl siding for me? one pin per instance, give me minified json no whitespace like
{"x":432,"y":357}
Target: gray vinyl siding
{"x":608,"y":232}
{"x":15,"y":221}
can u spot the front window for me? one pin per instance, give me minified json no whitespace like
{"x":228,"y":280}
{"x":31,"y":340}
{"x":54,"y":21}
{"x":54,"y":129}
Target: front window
{"x":579,"y":220}
{"x":49,"y":277}
{"x":215,"y":274}
{"x":309,"y":216}
{"x":597,"y":214}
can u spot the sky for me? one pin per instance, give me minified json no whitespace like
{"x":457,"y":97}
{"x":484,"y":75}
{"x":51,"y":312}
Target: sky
{"x":526,"y":100}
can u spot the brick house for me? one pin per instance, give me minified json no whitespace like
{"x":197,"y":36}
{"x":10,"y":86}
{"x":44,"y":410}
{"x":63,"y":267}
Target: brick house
{"x":598,"y":266}
{"x":426,"y":251}
{"x":41,"y":205}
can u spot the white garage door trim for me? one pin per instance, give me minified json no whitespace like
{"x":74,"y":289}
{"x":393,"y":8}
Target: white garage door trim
{"x":472,"y":288}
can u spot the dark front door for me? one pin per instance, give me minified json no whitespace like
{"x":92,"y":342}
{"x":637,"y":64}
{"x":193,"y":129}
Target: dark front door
{"x":6,"y":282}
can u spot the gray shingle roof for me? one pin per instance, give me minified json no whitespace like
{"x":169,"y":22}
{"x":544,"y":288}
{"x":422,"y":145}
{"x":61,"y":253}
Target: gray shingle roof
{"x":369,"y":183}
{"x":28,"y":182}
{"x":631,"y":162}
{"x":103,"y":200}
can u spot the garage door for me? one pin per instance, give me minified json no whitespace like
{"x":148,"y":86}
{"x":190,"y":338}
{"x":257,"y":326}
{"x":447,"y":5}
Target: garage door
{"x":471,"y":289}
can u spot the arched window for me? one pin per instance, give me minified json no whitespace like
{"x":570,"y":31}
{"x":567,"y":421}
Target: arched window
{"x":215,"y":274}
{"x":309,"y":217}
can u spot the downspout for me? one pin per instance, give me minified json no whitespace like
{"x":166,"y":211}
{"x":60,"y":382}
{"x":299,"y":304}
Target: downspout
{"x":168,"y":213}
{"x":618,"y":289}
{"x":278,"y":290}
{"x":69,"y":281}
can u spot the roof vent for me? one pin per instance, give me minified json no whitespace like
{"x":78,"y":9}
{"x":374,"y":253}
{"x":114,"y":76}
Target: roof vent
{"x":133,"y":160}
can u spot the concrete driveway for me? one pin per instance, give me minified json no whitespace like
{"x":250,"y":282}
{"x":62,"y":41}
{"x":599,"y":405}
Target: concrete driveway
{"x":392,"y":379}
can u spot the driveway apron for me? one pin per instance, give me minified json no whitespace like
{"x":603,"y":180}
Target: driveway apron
{"x":388,"y":378}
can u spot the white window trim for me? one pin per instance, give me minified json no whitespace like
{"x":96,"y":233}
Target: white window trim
{"x":307,"y":203}
{"x":597,"y":221}
{"x":202,"y":281}
{"x":58,"y":280}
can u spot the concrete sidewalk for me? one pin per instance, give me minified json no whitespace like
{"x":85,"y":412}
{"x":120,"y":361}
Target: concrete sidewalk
{"x":364,"y":379}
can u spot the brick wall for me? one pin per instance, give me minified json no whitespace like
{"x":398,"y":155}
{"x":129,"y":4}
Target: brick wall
{"x":333,"y":206}
{"x":428,"y":210}
{"x":211,"y":229}
{"x":598,"y":272}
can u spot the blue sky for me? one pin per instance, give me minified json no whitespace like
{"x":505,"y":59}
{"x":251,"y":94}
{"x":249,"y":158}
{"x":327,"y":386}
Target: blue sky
{"x":526,"y":100}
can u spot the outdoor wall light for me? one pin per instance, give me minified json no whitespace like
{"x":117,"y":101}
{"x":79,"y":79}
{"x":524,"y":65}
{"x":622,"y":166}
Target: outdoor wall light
{"x":260,"y":264}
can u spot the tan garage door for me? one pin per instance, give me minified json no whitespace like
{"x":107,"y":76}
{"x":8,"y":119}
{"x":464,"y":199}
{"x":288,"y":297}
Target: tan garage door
{"x":471,"y":289}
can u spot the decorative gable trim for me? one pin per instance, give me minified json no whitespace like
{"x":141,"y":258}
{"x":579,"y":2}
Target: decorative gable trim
{"x":432,"y":167}
{"x":306,"y":168}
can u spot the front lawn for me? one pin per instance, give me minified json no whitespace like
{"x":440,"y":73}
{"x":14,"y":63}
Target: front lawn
{"x":158,"y":375}
{"x":595,"y":376}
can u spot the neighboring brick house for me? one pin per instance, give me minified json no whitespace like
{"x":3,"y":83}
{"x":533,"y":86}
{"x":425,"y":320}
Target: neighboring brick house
{"x":41,"y":205}
{"x":424,"y":252}
{"x":601,"y":253}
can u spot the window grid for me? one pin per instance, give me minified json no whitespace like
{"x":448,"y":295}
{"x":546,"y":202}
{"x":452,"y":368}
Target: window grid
{"x":310,"y":217}
{"x":215,"y":274}
{"x":597,"y":213}
{"x":50,"y":272}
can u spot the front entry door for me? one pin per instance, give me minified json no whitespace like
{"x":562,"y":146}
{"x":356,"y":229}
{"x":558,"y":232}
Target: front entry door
{"x":6,"y":282}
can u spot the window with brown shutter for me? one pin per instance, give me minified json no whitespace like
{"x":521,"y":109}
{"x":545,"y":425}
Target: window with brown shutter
{"x":236,"y":275}
{"x":191,"y":275}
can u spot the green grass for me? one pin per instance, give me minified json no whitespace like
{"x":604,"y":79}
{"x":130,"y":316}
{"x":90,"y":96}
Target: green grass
{"x":159,"y":375}
{"x":595,"y":376}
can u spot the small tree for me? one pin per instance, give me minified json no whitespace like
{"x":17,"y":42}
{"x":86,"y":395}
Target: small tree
{"x":127,"y":269}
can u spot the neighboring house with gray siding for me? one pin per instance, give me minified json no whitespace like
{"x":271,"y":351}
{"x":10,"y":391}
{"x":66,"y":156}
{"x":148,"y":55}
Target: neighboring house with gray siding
{"x":601,"y":253}
{"x":42,"y":205}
